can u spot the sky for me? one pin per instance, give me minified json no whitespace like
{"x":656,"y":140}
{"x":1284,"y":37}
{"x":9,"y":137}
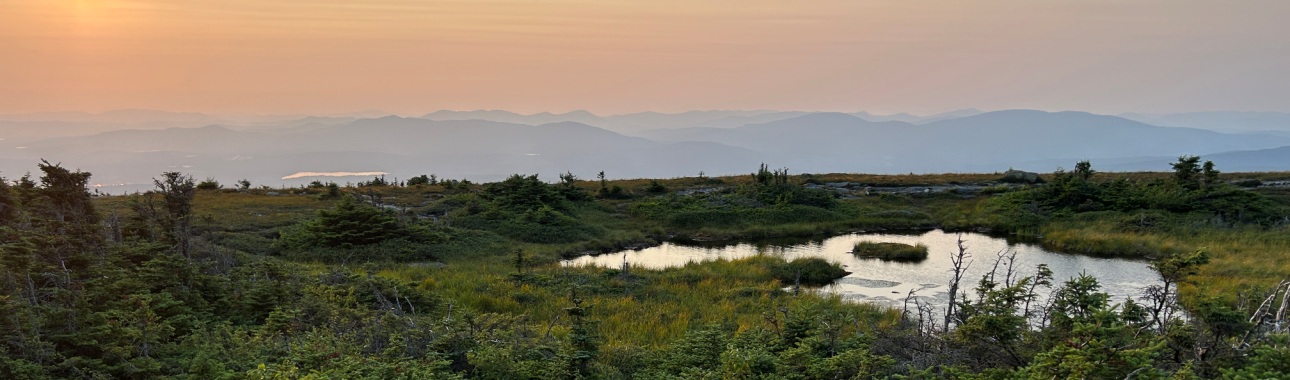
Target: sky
{"x":613,"y":56}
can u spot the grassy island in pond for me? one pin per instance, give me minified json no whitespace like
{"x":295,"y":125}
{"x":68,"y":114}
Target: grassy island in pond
{"x":890,"y":251}
{"x":809,"y":271}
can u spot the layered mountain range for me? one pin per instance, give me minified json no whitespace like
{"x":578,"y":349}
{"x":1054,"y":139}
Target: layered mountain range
{"x":131,"y":147}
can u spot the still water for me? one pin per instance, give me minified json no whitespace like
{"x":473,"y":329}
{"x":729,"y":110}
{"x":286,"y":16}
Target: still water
{"x":879,"y":281}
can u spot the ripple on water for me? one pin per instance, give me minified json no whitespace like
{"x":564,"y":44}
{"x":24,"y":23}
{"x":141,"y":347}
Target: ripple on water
{"x":866,"y":282}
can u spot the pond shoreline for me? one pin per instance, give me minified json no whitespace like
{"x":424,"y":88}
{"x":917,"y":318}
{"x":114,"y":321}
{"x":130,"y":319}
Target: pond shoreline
{"x":892,"y":282}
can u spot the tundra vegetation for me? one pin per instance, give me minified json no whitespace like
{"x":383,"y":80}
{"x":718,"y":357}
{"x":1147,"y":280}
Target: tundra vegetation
{"x":890,"y":251}
{"x":440,"y":278}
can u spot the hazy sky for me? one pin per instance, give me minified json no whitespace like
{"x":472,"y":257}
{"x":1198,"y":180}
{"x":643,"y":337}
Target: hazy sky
{"x":609,"y":56}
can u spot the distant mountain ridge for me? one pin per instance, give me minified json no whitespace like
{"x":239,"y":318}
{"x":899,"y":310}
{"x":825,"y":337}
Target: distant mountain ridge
{"x":404,"y":147}
{"x":646,"y":122}
{"x":840,"y":142}
{"x":465,"y":145}
{"x":1219,"y":121}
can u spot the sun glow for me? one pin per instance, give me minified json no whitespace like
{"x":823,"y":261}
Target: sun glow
{"x":84,"y":17}
{"x":87,"y":9}
{"x":298,"y":56}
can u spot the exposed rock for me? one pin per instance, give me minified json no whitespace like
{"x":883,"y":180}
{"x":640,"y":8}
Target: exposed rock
{"x":1018,"y":176}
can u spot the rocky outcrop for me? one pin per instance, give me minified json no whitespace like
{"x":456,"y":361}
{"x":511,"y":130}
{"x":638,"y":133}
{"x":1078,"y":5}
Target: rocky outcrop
{"x":1018,"y":176}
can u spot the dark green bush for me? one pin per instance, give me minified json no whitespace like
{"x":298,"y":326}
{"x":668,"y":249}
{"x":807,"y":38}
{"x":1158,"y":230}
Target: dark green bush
{"x":355,"y":230}
{"x":209,"y":184}
{"x":655,"y":187}
{"x":419,"y":180}
{"x":522,"y":193}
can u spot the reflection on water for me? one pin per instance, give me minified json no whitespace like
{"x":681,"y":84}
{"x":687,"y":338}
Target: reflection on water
{"x":890,"y":282}
{"x":332,"y":174}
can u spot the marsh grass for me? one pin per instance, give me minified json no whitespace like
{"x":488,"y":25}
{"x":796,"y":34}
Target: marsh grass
{"x":1242,"y":259}
{"x":890,"y":251}
{"x":641,"y":309}
{"x":648,"y":309}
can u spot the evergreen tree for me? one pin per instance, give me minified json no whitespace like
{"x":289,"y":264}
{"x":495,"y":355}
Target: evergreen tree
{"x":352,"y":223}
{"x":1209,"y":175}
{"x":177,"y":191}
{"x":1187,"y":171}
{"x":583,"y":340}
{"x":419,"y":180}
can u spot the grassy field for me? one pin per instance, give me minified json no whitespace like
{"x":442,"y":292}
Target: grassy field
{"x":641,"y":308}
{"x":1244,"y":259}
{"x":474,"y":274}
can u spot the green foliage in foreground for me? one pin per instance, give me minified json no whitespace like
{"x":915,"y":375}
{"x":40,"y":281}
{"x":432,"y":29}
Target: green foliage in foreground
{"x":1270,"y":360}
{"x":890,"y":251}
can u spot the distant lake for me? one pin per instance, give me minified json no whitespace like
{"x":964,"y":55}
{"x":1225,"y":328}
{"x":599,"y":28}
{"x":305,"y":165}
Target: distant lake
{"x":333,"y":174}
{"x":879,"y":281}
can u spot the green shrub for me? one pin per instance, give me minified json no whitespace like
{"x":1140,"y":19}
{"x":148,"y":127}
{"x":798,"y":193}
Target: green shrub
{"x":209,"y":184}
{"x":521,"y":193}
{"x":419,"y":180}
{"x":355,"y":230}
{"x":539,"y":225}
{"x":351,"y":223}
{"x":655,"y":187}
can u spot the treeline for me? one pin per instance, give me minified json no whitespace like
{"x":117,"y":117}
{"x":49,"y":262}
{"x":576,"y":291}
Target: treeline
{"x":1194,"y":193}
{"x":769,"y":199}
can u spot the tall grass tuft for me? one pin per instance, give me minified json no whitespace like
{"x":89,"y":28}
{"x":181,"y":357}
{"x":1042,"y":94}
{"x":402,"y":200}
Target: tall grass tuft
{"x":890,"y":251}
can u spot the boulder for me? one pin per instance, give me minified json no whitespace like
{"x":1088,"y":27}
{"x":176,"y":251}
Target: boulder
{"x":1018,"y":176}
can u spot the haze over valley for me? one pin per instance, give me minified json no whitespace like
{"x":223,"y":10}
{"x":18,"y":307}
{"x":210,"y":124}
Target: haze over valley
{"x":131,"y":147}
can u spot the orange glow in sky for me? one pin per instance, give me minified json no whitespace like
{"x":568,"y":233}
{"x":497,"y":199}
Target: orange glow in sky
{"x":412,"y":56}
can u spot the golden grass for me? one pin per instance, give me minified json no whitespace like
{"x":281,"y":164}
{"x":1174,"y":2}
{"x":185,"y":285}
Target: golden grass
{"x":648,"y":309}
{"x":233,"y":210}
{"x":1241,"y":259}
